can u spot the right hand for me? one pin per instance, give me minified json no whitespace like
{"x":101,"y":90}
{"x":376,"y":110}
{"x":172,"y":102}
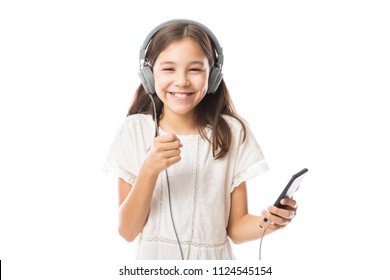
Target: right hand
{"x":165,"y":151}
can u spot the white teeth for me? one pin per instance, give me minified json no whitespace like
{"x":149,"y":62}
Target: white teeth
{"x":180,"y":95}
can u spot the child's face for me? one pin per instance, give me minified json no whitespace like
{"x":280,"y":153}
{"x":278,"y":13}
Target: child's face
{"x":181,"y":74}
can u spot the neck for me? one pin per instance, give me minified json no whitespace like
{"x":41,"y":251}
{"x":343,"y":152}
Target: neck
{"x":178,"y":124}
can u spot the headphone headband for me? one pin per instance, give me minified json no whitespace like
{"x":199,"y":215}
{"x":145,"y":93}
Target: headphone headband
{"x":150,"y":36}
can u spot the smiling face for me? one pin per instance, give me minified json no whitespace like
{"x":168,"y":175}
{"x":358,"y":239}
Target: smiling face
{"x":181,"y":74}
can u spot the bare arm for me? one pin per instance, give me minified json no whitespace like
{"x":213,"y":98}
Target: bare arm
{"x":244,"y":227}
{"x":134,"y":201}
{"x":134,"y":204}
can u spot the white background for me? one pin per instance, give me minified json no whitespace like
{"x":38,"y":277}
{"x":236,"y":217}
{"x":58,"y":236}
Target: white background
{"x":311,"y":77}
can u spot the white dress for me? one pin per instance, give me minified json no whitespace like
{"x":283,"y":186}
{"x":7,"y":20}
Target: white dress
{"x":200,"y":188}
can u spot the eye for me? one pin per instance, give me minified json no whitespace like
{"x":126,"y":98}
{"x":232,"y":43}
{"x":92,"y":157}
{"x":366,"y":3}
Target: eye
{"x":195,"y":69}
{"x":167,"y":69}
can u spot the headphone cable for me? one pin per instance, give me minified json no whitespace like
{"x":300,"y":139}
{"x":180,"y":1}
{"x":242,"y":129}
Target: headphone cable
{"x":170,"y":210}
{"x":261,"y":241}
{"x":166,"y":176}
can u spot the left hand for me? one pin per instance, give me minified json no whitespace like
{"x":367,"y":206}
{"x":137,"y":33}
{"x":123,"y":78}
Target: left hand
{"x":279,"y":217}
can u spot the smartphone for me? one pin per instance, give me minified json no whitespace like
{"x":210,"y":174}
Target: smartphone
{"x":290,"y":189}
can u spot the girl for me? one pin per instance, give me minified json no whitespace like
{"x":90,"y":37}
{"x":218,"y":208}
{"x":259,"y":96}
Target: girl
{"x":184,"y":156}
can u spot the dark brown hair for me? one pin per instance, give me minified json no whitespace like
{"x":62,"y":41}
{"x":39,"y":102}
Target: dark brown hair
{"x":208,"y":112}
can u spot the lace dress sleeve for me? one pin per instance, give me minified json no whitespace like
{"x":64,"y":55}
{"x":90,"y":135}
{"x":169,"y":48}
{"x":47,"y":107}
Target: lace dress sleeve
{"x":119,"y":161}
{"x":250,"y":160}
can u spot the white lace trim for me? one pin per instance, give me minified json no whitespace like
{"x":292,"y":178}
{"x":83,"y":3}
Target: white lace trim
{"x":252,"y":171}
{"x":113,"y":169}
{"x":187,"y":242}
{"x":166,"y":249}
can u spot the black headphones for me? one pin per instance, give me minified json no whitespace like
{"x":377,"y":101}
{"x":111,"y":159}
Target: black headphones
{"x":146,"y":73}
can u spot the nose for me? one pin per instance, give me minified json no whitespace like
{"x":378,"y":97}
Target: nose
{"x":181,"y":79}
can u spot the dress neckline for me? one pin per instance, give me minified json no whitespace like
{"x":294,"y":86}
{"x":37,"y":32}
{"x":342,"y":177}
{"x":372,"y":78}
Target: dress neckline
{"x":182,"y":136}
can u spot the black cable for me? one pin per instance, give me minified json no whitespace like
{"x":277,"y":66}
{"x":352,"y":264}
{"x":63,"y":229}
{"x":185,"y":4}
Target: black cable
{"x":166,"y":175}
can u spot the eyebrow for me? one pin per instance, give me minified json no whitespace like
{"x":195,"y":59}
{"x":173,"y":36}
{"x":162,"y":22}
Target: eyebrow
{"x":191,"y":63}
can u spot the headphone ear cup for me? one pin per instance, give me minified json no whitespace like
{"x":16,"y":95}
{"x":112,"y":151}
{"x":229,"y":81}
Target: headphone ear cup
{"x":215,"y":79}
{"x":147,"y":79}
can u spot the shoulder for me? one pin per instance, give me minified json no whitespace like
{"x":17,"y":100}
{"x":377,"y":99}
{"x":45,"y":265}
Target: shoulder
{"x":235,"y":125}
{"x":138,"y":120}
{"x":241,"y":131}
{"x":138,"y":125}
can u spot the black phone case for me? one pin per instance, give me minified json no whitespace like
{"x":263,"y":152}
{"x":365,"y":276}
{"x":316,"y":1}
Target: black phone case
{"x":290,"y":189}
